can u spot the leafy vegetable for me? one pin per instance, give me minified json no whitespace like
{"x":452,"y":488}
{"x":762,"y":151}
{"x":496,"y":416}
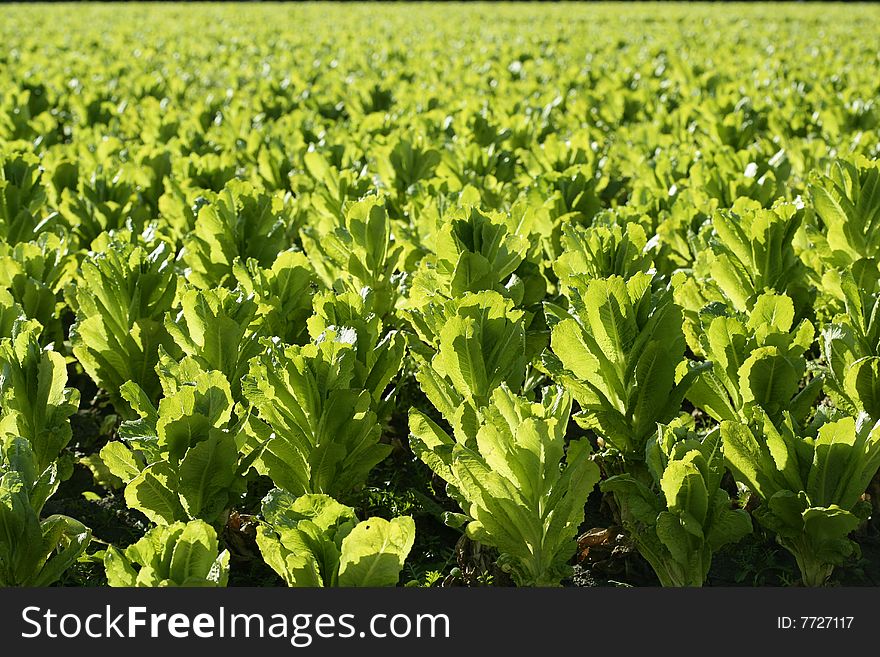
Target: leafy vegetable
{"x":120,"y":298}
{"x":313,"y":540}
{"x":214,"y":328}
{"x":180,"y":461}
{"x":283,"y":294}
{"x":809,"y":486}
{"x":476,"y":343}
{"x":515,"y":492}
{"x":33,"y":552}
{"x":617,"y":350}
{"x":682,"y":516}
{"x":752,"y":252}
{"x":359,"y":252}
{"x":755,"y":361}
{"x":35,"y":273}
{"x":22,"y":197}
{"x":847,"y":201}
{"x":241,"y":222}
{"x":316,"y":429}
{"x":180,"y":554}
{"x":35,"y":405}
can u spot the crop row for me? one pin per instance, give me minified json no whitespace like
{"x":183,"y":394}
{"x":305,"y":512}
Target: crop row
{"x":540,"y":267}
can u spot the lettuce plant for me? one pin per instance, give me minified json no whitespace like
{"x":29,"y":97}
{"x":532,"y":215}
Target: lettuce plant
{"x":602,"y":250}
{"x":842,"y":250}
{"x":850,"y":344}
{"x":809,"y":486}
{"x":180,"y":461}
{"x":847,"y":201}
{"x":216,"y":329}
{"x":33,"y":552}
{"x":616,"y":350}
{"x":35,"y":405}
{"x":378,"y":353}
{"x":10,"y":312}
{"x":102,"y":200}
{"x":329,"y":186}
{"x":474,"y":251}
{"x":315,"y":428}
{"x":22,"y":198}
{"x":756,"y":360}
{"x":120,"y":298}
{"x":283,"y":293}
{"x":35,"y":273}
{"x":565,"y":186}
{"x":179,"y":554}
{"x":358,"y":252}
{"x":406,"y":164}
{"x":752,"y":252}
{"x":522,"y":490}
{"x":239,"y":222}
{"x":473,"y":344}
{"x":726,"y":175}
{"x":682,"y":515}
{"x":313,"y":540}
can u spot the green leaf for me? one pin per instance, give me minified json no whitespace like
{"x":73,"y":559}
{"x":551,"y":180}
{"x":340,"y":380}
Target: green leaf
{"x":206,"y":474}
{"x":374,"y":552}
{"x":768,"y":380}
{"x":862,"y":384}
{"x":179,"y":554}
{"x":313,"y":540}
{"x":326,"y":435}
{"x":119,"y":571}
{"x":120,"y":461}
{"x":511,"y":482}
{"x":34,"y":402}
{"x":239,"y":222}
{"x":120,"y":299}
{"x":152,"y":492}
{"x":193,"y":555}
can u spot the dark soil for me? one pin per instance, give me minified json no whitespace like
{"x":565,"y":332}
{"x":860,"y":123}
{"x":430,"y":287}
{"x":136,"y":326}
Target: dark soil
{"x":110,"y":520}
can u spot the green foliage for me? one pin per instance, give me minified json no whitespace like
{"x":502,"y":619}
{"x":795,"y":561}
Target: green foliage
{"x":120,"y":298}
{"x":473,"y":344}
{"x":35,"y":405}
{"x":214,"y":328}
{"x":851,"y":346}
{"x":35,"y":273}
{"x":180,"y":460}
{"x":378,"y":354}
{"x":256,"y":258}
{"x":751,"y":252}
{"x":101,"y":201}
{"x":313,"y":540}
{"x":847,"y":202}
{"x":315,"y":429}
{"x":474,"y":251}
{"x":22,"y":198}
{"x":358,"y":252}
{"x":810,"y":487}
{"x":756,"y":360}
{"x":682,"y":515}
{"x":283,"y":293}
{"x":617,"y":350}
{"x":407,"y":164}
{"x":515,"y":491}
{"x":600,"y":251}
{"x":33,"y":552}
{"x":239,"y":222}
{"x":179,"y":554}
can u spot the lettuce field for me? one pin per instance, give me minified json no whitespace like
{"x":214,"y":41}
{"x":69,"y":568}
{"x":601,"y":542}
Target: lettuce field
{"x":439,"y":295}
